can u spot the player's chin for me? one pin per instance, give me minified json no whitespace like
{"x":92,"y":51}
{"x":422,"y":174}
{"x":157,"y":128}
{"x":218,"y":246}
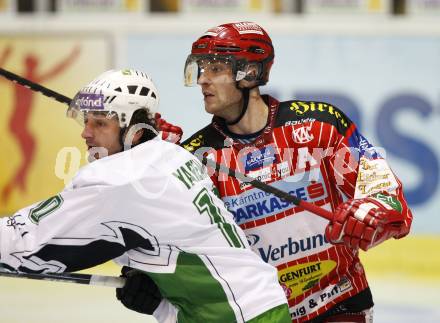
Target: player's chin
{"x":210,"y":108}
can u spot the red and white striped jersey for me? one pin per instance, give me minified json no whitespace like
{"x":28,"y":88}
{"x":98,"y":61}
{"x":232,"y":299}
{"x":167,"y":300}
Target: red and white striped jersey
{"x":313,"y":151}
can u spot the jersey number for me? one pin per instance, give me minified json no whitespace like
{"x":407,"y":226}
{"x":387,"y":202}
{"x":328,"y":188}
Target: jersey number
{"x":204,"y":203}
{"x":45,"y":208}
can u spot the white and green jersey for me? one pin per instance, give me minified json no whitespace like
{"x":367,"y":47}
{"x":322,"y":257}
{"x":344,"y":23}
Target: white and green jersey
{"x":151,"y":208}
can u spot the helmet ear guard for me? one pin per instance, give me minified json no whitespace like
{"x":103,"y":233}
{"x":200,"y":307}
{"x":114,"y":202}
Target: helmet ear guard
{"x":251,"y":72}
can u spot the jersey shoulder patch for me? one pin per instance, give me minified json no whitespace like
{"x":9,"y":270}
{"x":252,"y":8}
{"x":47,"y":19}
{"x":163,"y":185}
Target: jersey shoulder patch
{"x":206,"y":137}
{"x":297,"y":112}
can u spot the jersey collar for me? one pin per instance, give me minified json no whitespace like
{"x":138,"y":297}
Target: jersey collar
{"x":265,"y":135}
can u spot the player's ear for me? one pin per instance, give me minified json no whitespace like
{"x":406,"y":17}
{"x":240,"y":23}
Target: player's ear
{"x":251,"y":72}
{"x":132,"y":136}
{"x":250,"y":80}
{"x":137,"y":136}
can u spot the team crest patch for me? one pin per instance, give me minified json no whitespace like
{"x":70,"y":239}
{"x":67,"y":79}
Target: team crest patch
{"x":303,"y":135}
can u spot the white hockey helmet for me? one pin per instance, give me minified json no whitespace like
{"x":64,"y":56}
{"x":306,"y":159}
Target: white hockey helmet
{"x":120,"y":92}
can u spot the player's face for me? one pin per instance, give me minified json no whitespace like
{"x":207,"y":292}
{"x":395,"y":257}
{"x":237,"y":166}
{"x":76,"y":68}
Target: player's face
{"x":221,"y":96}
{"x":101,"y":134}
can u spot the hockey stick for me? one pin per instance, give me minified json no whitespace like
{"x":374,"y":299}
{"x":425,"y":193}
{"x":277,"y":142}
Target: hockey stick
{"x":207,"y":162}
{"x":85,"y":279}
{"x":268,"y":189}
{"x":34,"y":86}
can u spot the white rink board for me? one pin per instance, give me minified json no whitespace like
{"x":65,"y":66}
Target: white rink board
{"x":25,"y":301}
{"x":31,"y":301}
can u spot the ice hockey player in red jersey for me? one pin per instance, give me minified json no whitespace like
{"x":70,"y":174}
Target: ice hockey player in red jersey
{"x":311,"y":150}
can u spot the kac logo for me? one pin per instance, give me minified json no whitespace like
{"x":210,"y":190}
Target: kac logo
{"x":302,"y":134}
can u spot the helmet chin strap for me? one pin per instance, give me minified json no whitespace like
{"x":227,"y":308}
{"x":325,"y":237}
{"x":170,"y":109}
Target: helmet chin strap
{"x":245,"y":92}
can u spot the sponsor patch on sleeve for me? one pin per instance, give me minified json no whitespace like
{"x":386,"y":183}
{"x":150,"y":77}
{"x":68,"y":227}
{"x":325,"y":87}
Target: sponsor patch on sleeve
{"x":374,"y":176}
{"x":363,"y":146}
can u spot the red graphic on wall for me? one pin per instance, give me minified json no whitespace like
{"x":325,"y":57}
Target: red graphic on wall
{"x":23,"y":105}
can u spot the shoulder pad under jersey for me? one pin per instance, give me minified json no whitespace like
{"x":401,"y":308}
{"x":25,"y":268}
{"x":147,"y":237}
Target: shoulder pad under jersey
{"x":206,"y":137}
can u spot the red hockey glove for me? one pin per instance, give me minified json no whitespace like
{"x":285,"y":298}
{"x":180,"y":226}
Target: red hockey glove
{"x":168,"y":131}
{"x":364,"y":223}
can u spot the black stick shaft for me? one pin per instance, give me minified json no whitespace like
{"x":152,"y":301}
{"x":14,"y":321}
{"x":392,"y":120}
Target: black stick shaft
{"x":85,"y":279}
{"x":34,"y":86}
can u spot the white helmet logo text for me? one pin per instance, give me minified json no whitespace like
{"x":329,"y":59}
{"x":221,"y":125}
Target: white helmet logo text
{"x":90,"y":101}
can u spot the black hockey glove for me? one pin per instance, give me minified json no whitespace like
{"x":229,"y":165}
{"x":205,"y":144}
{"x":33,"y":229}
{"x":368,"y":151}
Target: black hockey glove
{"x":139,"y":293}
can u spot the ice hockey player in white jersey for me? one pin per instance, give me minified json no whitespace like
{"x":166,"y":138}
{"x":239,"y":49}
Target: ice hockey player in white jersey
{"x":148,"y":205}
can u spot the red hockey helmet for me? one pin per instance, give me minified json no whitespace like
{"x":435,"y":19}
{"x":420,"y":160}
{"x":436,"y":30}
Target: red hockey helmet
{"x":241,"y":44}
